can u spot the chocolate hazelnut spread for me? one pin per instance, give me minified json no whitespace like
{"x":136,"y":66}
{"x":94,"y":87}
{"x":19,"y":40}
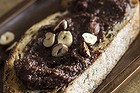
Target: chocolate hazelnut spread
{"x":40,"y":70}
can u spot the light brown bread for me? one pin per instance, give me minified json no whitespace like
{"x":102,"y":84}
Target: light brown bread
{"x":89,"y":80}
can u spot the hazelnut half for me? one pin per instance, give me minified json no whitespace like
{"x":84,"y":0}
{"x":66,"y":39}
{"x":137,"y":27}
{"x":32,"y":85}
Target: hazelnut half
{"x":65,"y":37}
{"x":84,"y":50}
{"x":49,"y":39}
{"x":59,"y":50}
{"x":62,"y":25}
{"x":89,"y":38}
{"x":7,"y":38}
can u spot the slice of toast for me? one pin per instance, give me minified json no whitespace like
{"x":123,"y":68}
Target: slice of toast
{"x":93,"y":76}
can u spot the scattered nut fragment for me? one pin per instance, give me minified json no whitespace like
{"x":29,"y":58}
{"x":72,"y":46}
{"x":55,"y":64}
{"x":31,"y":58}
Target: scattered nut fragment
{"x":49,"y":39}
{"x":134,"y":2}
{"x":59,"y":50}
{"x":65,"y":37}
{"x":7,"y":38}
{"x":94,"y":27}
{"x":12,"y":46}
{"x":62,"y":25}
{"x":84,"y":50}
{"x":89,"y":38}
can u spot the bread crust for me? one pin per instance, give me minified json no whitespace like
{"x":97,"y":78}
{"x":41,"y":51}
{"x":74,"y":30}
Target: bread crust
{"x":88,"y":81}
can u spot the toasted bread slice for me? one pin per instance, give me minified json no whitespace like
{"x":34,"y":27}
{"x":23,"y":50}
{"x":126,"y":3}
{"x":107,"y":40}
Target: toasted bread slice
{"x":93,"y":76}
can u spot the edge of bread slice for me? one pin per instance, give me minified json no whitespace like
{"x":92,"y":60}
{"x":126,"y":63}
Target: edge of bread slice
{"x":89,"y":80}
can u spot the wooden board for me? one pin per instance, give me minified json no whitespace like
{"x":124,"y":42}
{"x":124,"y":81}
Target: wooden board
{"x":29,"y":12}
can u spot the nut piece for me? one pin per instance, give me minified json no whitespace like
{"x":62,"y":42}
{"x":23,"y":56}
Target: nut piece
{"x":134,"y":2}
{"x":49,"y":40}
{"x":65,"y":37}
{"x":62,"y":25}
{"x":89,"y":38}
{"x":59,"y":50}
{"x":11,"y":47}
{"x":84,"y":50}
{"x":94,"y":26}
{"x":7,"y":38}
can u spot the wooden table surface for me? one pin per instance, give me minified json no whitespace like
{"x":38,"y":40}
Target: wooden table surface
{"x":132,"y":87}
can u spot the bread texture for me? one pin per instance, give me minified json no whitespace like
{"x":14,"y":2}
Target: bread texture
{"x":89,"y":80}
